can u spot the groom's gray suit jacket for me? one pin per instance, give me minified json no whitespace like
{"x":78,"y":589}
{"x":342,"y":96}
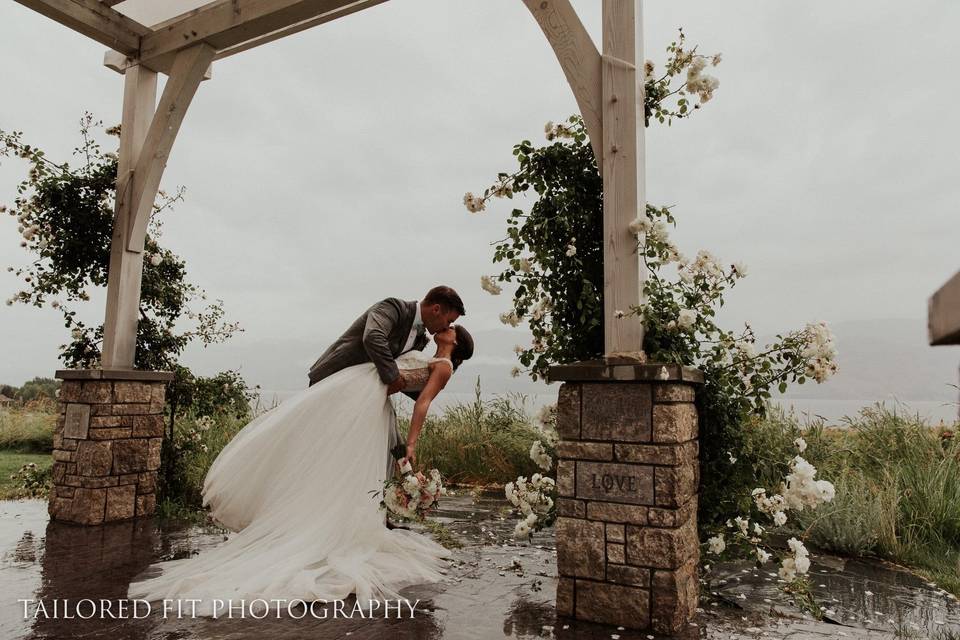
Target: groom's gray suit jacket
{"x":377,"y":336}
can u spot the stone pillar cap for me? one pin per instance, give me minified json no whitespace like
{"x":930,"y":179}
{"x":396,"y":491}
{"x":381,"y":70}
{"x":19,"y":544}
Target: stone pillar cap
{"x":623,"y":369}
{"x":114,"y":374}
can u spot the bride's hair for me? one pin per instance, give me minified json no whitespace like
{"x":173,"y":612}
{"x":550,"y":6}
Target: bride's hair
{"x":464,"y":349}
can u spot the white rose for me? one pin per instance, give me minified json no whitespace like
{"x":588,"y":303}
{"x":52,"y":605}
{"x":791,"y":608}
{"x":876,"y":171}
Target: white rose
{"x":686,"y":318}
{"x":716,"y":544}
{"x":489,"y":285}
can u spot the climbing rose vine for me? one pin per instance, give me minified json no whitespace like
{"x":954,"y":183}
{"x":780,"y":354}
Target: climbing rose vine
{"x":550,"y":265}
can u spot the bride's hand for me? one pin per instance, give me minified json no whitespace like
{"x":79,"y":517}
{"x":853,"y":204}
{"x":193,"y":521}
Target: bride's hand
{"x":411,"y":454}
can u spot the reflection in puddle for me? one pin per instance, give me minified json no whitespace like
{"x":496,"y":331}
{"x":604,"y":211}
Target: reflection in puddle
{"x":494,"y":588}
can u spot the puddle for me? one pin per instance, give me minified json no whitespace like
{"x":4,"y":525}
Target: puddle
{"x":482,"y":597}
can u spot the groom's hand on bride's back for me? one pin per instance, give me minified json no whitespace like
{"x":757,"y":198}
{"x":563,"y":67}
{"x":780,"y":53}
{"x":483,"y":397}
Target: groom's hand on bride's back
{"x":396,"y":385}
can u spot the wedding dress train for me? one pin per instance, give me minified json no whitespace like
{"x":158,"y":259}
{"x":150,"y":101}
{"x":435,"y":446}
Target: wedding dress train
{"x":293,"y":487}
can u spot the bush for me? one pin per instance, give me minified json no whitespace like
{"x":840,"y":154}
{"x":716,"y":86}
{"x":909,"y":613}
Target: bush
{"x":897,"y":489}
{"x":31,"y":481}
{"x":196,"y":442}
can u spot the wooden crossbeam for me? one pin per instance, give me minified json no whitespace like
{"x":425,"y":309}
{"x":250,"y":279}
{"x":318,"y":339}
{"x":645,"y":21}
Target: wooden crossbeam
{"x":95,"y":20}
{"x":230,"y":23}
{"x":943,"y":313}
{"x":295,"y":28}
{"x":120,"y":63}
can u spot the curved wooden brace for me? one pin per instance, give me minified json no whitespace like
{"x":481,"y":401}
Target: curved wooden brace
{"x":189,"y":68}
{"x":579,"y":60}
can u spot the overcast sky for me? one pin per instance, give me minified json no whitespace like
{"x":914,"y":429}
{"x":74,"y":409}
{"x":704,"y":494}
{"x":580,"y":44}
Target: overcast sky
{"x":326,"y":170}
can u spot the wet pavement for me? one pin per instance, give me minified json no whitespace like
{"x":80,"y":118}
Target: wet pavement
{"x":495,"y":588}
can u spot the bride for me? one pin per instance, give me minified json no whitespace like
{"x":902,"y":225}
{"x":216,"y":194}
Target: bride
{"x":293,"y":488}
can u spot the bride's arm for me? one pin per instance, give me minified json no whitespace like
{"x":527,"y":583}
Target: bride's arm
{"x":439,"y":375}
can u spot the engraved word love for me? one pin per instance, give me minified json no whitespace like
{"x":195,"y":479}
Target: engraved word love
{"x":608,"y":481}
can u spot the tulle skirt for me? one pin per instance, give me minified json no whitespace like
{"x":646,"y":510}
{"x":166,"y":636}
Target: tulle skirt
{"x":293,"y":488}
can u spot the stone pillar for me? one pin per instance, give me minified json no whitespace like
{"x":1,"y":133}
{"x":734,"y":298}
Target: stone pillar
{"x":106,"y":447}
{"x":627,"y":477}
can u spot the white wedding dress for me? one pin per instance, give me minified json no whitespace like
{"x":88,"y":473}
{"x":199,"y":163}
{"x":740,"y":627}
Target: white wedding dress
{"x":293,"y":488}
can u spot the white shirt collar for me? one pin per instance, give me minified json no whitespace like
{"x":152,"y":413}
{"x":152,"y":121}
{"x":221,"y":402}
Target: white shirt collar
{"x":417,"y":320}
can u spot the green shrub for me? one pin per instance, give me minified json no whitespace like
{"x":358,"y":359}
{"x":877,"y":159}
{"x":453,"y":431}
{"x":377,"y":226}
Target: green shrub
{"x":31,"y":481}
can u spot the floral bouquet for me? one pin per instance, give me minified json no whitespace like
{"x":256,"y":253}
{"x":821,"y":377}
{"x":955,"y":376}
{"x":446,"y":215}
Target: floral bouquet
{"x":412,"y":495}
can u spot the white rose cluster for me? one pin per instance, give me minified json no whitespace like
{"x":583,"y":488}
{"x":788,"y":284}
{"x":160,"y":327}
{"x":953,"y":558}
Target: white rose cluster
{"x":539,"y":455}
{"x":802,"y":490}
{"x":532,"y":499}
{"x":559,"y":130}
{"x":820,"y":352}
{"x":489,"y":285}
{"x":700,"y":83}
{"x":799,"y":564}
{"x":510,"y":317}
{"x":474,"y":204}
{"x":705,"y":264}
{"x":541,"y":308}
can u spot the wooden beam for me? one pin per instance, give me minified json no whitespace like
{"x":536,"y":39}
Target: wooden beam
{"x":230,"y":23}
{"x":579,"y":60}
{"x":126,"y":267}
{"x":943,"y":313}
{"x":120,"y":63}
{"x":94,"y":20}
{"x":110,"y":3}
{"x":624,"y":184}
{"x":185,"y":76}
{"x":295,"y":28}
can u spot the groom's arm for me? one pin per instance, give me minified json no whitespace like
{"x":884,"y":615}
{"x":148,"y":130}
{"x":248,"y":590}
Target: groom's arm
{"x":381,"y":319}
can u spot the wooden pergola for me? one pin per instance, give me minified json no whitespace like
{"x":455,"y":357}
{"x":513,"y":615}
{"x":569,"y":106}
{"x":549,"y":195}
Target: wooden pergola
{"x":607,"y":85}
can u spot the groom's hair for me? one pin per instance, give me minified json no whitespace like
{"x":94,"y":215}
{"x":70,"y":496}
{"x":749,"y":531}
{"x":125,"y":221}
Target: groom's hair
{"x":446,"y":297}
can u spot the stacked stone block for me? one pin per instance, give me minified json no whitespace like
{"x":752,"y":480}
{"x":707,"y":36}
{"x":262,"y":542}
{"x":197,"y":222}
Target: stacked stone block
{"x":106,"y":447}
{"x":627,"y":477}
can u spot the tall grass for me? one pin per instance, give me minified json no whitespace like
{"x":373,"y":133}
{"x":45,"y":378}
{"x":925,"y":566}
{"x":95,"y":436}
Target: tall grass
{"x":484,"y":442}
{"x":28,"y":429}
{"x":897,"y":481}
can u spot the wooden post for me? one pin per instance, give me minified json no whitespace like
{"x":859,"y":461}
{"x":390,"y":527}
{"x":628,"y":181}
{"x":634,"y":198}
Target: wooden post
{"x":146,"y":138}
{"x":126,"y":267}
{"x":624,"y":188}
